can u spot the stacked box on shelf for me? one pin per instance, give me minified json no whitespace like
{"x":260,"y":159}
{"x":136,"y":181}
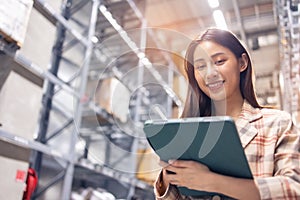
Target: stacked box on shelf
{"x":289,"y":30}
{"x":13,"y":170}
{"x":14,"y":17}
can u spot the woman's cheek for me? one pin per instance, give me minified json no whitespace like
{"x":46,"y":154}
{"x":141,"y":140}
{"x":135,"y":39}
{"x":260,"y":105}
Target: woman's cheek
{"x":200,"y":81}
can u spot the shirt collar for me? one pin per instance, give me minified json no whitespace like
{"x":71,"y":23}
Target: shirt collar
{"x":248,"y":115}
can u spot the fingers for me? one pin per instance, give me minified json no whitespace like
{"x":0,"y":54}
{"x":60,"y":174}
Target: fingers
{"x":170,"y":177}
{"x":178,"y":166}
{"x":167,"y":168}
{"x":174,"y":178}
{"x":175,"y":163}
{"x":181,"y":163}
{"x":175,"y":182}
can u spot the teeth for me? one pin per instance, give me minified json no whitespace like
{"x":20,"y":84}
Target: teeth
{"x":214,"y":85}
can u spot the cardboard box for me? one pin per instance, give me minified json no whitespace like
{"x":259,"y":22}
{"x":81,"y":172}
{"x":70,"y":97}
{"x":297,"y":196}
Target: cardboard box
{"x":114,"y":97}
{"x":147,"y":165}
{"x":14,"y":17}
{"x":14,"y":161}
{"x":13,"y":178}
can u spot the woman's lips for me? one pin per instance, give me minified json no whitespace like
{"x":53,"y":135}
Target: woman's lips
{"x":215,"y":86}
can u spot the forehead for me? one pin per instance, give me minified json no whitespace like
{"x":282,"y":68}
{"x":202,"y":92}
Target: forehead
{"x":208,"y":49}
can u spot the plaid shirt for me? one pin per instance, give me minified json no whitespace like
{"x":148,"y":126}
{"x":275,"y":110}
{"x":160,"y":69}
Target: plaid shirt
{"x":272,"y":144}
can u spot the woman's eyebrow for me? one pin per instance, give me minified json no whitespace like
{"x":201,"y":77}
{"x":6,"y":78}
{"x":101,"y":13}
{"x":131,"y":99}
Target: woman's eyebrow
{"x":212,"y":56}
{"x":217,"y":54}
{"x":199,"y":60}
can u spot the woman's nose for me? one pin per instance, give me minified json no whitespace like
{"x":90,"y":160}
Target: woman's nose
{"x":212,"y":71}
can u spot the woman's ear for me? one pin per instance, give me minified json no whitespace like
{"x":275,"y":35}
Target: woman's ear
{"x":243,"y":62}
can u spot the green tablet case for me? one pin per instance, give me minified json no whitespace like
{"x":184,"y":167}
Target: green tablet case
{"x":213,"y":141}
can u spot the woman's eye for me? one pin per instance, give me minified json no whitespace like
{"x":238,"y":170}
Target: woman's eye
{"x":220,"y":62}
{"x":200,"y":67}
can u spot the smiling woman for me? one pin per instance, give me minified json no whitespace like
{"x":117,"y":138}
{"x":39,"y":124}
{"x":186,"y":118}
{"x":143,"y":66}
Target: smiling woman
{"x":221,"y":53}
{"x":219,"y":72}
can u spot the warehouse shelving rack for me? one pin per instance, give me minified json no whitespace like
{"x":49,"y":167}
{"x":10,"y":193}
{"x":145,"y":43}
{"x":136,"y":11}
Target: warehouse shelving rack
{"x":56,"y":119}
{"x":288,"y":13}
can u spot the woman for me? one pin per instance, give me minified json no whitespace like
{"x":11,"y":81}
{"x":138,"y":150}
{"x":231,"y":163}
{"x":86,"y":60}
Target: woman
{"x":219,"y":72}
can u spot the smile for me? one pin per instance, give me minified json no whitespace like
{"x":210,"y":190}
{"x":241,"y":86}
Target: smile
{"x":215,"y":85}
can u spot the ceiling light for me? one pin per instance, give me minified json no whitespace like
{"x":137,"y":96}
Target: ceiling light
{"x":219,"y":19}
{"x":94,"y":39}
{"x":213,"y":3}
{"x":141,"y":55}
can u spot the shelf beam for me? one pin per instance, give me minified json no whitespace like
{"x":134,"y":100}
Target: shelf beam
{"x":22,"y":142}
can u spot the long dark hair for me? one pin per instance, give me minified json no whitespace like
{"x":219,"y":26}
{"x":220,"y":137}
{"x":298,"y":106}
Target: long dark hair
{"x":197,"y":102}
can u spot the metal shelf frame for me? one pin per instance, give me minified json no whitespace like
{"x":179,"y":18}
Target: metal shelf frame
{"x":288,"y":13}
{"x":78,"y":92}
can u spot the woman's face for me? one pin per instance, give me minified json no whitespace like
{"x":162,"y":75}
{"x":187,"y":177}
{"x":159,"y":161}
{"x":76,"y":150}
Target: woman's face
{"x":217,"y":71}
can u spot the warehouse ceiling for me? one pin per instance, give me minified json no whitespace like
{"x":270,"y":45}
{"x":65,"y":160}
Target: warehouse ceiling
{"x":248,"y":19}
{"x":252,"y":17}
{"x":176,"y":22}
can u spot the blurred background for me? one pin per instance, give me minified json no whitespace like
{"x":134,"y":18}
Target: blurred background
{"x":78,"y":79}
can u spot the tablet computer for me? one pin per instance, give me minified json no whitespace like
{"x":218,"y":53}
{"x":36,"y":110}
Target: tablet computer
{"x":213,"y":141}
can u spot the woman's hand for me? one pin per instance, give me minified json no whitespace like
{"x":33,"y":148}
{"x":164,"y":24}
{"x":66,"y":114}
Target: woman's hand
{"x":190,"y":174}
{"x":197,"y":176}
